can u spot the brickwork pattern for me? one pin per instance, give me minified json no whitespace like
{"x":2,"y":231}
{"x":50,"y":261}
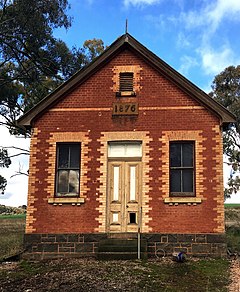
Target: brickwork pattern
{"x":165,"y":112}
{"x":196,"y":136}
{"x":32,"y":189}
{"x":69,"y":137}
{"x":218,"y":179}
{"x":135,"y":69}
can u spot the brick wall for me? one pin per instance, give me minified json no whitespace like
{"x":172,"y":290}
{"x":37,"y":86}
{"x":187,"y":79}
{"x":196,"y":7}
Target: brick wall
{"x":85,"y":115}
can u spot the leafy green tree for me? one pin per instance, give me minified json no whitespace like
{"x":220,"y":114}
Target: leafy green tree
{"x":226,"y":90}
{"x":30,"y":57}
{"x":32,"y":61}
{"x":93,"y":48}
{"x":5,"y":161}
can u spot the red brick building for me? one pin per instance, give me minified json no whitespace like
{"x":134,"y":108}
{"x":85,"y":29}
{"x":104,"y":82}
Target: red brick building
{"x":126,"y":143}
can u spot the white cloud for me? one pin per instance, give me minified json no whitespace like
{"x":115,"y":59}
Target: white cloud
{"x":183,"y":41}
{"x":140,"y":2}
{"x":187,"y":63}
{"x":223,"y":9}
{"x":211,"y":15}
{"x":203,"y":25}
{"x":16,"y":191}
{"x":215,"y":61}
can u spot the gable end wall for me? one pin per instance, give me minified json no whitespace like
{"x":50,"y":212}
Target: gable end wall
{"x":165,"y":113}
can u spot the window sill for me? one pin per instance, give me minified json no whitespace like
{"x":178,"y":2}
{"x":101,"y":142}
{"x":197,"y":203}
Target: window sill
{"x":125,"y":93}
{"x":60,"y":201}
{"x":182,"y":200}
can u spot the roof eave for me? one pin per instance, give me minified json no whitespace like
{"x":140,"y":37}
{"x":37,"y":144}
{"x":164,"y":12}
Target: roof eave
{"x":121,"y":43}
{"x":75,"y":80}
{"x":186,"y":85}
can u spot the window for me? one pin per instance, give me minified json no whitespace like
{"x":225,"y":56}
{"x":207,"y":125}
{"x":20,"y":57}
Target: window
{"x":124,"y":149}
{"x":182,"y":168}
{"x":68,"y":169}
{"x":132,"y":218}
{"x":126,"y":82}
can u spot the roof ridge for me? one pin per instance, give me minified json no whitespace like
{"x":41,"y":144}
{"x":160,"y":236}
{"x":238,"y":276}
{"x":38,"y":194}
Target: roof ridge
{"x":127,"y":40}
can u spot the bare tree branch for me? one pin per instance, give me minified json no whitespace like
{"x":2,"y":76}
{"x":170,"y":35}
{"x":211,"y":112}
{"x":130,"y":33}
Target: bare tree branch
{"x":19,"y":173}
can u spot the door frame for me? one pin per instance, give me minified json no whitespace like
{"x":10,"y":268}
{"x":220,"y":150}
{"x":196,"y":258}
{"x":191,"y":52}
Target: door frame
{"x":128,"y":227}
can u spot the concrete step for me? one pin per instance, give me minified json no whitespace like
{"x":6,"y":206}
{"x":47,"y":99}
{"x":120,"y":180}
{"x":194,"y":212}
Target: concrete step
{"x":108,"y":256}
{"x":119,"y":248}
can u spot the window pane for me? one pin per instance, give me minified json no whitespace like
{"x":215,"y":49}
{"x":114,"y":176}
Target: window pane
{"x":116,"y":150}
{"x":175,"y":154}
{"x":133,"y":150}
{"x":62,"y":183}
{"x":74,"y":156}
{"x":67,"y":182}
{"x":187,"y":178}
{"x":175,"y":181}
{"x":115,"y":217}
{"x":74,"y":181}
{"x":187,"y":154}
{"x":63,"y":156}
{"x":125,"y":149}
{"x":132,"y":218}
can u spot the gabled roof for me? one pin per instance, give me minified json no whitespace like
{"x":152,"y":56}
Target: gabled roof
{"x":123,"y":42}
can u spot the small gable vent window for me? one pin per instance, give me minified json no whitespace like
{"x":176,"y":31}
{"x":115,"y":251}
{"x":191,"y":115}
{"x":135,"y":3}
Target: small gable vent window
{"x":126,"y":81}
{"x":126,"y":87}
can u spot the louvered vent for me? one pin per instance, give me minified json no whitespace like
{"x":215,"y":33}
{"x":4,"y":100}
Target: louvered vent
{"x":126,"y":81}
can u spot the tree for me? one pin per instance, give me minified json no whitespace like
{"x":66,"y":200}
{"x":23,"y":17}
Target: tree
{"x":32,"y":61}
{"x":93,"y":48}
{"x":29,"y":58}
{"x":226,"y":90}
{"x":29,"y":55}
{"x":5,"y":161}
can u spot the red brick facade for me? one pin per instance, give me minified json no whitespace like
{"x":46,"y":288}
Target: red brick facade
{"x":167,"y":113}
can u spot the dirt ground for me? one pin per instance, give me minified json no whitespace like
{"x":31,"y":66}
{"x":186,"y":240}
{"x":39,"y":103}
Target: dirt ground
{"x":235,"y":276}
{"x":91,"y":275}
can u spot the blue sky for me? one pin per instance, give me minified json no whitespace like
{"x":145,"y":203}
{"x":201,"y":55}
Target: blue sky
{"x":198,"y":38}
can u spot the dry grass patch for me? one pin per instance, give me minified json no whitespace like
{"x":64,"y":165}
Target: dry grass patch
{"x":93,"y":275}
{"x":12,"y":231}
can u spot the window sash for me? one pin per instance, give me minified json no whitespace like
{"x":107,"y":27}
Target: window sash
{"x":182,"y":169}
{"x":68,"y":170}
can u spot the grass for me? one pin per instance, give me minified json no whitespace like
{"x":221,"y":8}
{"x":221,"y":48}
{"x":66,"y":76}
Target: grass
{"x":232,"y":217}
{"x":233,"y":238}
{"x":194,"y":275}
{"x":11,"y":230}
{"x":201,"y":275}
{"x":14,"y":216}
{"x":91,"y":275}
{"x":232,"y":206}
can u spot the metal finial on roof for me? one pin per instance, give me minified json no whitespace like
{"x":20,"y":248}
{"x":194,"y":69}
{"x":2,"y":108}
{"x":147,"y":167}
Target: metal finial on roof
{"x":126,"y":28}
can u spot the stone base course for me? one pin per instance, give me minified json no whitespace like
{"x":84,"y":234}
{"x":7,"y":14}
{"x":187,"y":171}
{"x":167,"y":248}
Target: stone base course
{"x":51,"y":246}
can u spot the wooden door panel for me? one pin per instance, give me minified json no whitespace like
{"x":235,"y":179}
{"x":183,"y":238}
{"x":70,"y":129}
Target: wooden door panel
{"x":123,"y":196}
{"x":132,"y":174}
